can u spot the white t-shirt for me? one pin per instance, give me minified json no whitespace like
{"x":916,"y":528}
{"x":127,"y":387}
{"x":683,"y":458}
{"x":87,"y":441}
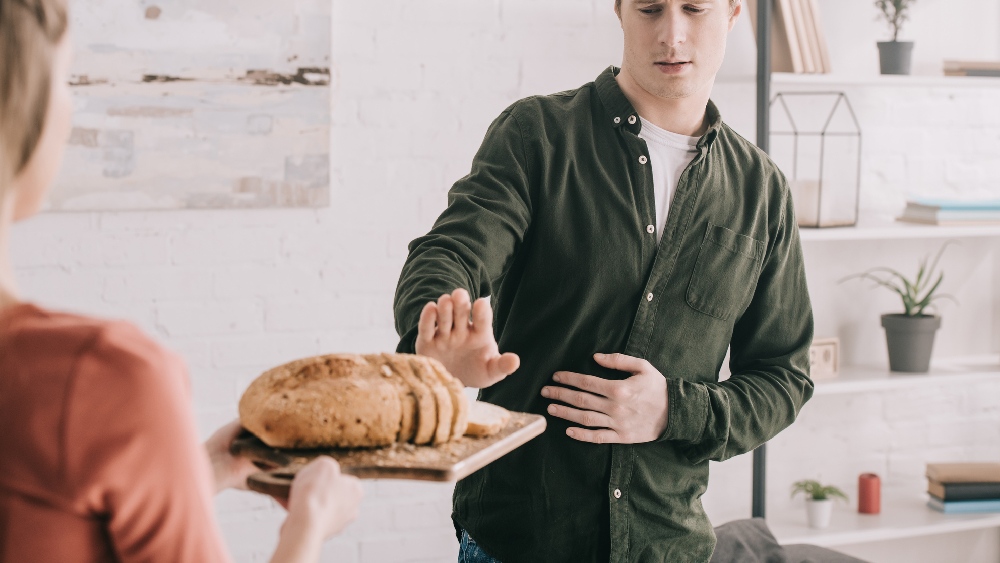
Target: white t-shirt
{"x":669,"y":155}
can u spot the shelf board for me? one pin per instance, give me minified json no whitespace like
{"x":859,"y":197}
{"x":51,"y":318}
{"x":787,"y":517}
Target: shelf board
{"x":779,"y":79}
{"x":889,"y":229}
{"x":962,"y":371}
{"x":905,"y":514}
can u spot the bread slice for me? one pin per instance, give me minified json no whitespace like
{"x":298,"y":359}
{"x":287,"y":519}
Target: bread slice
{"x":426,"y":373}
{"x":328,"y":401}
{"x":486,"y":419}
{"x":427,"y":417}
{"x":460,"y":418}
{"x":407,"y":397}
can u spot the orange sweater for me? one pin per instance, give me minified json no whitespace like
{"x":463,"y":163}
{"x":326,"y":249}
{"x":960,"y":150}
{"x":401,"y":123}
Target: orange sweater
{"x":99,"y":457}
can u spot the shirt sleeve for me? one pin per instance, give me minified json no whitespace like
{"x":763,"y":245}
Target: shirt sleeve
{"x":769,"y":361}
{"x":133,"y":455}
{"x":472,"y":243}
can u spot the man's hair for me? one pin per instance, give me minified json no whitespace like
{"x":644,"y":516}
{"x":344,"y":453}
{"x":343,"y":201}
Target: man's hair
{"x":30,"y":31}
{"x":618,"y":4}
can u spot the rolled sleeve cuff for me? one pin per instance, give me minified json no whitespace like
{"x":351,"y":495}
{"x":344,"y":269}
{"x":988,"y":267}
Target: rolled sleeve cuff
{"x":687,"y":411}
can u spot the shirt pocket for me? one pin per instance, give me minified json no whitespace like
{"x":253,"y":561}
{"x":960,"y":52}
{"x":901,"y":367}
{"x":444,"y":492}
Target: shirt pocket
{"x":725,"y":274}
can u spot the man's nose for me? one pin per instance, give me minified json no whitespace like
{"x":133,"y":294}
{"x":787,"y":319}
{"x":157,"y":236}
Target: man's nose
{"x":673,"y":30}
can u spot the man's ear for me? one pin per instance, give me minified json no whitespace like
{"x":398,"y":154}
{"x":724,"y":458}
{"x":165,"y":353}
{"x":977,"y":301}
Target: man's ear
{"x":737,"y":10}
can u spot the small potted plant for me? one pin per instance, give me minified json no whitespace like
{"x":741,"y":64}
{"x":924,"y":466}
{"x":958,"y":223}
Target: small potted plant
{"x":895,"y":56}
{"x":910,"y":335}
{"x":819,"y":501}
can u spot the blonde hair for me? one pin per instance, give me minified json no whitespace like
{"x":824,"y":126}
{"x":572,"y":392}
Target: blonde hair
{"x":30,"y":31}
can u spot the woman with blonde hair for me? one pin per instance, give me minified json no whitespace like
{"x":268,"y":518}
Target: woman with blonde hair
{"x":99,"y":457}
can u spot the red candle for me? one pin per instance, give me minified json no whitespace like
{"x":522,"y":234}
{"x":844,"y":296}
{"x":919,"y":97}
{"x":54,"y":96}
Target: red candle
{"x":869,"y":494}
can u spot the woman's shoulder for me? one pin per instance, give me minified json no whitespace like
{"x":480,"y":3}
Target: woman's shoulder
{"x":70,"y":342}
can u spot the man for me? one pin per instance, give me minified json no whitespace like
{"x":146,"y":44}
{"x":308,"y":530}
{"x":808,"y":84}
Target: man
{"x":627,"y":237}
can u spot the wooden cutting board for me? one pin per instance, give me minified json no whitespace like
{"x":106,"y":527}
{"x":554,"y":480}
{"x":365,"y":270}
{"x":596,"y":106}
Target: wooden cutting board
{"x":447,"y":462}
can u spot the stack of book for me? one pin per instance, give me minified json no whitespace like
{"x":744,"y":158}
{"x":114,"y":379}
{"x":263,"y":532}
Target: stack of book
{"x":952,"y":212}
{"x":798,"y":43}
{"x":972,"y":68}
{"x":962,"y":488}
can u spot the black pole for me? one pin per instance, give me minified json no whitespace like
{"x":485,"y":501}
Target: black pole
{"x":763,"y":132}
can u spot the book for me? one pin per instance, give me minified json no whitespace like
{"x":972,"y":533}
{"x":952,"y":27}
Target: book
{"x":964,"y":472}
{"x":783,"y":57}
{"x":801,"y":34}
{"x":972,"y":72}
{"x":956,"y":204}
{"x":952,"y":212}
{"x":952,"y":65}
{"x":964,"y":506}
{"x":824,"y":50}
{"x":963,"y":491}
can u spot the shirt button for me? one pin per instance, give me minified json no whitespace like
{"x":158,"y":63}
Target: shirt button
{"x":618,"y":493}
{"x":643,"y":159}
{"x":649,"y":297}
{"x":650,"y":229}
{"x":631,"y":120}
{"x":618,"y":120}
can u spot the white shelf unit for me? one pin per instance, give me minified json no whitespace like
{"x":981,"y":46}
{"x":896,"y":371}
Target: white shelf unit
{"x":904,"y":514}
{"x":882,"y":228}
{"x":893,"y":81}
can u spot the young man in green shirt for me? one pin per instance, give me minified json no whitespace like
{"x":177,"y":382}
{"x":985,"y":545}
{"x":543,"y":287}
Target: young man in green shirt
{"x":626,"y":237}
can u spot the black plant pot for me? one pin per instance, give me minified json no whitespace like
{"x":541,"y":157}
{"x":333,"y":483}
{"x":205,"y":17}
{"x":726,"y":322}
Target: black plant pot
{"x":895,"y":57}
{"x":910,"y":341}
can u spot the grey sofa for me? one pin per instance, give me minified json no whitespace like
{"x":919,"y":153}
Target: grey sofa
{"x":750,"y":541}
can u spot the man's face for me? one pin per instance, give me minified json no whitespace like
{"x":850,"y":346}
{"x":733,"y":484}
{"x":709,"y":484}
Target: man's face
{"x":674,"y":48}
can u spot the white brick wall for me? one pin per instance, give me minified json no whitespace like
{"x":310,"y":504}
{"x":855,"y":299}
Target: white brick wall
{"x":415,"y":84}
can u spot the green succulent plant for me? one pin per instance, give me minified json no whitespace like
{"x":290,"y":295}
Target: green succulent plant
{"x":895,"y":13}
{"x":917,"y":293}
{"x":817,"y":491}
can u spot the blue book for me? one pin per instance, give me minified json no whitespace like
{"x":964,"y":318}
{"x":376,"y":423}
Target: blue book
{"x":956,"y":204}
{"x":964,"y":506}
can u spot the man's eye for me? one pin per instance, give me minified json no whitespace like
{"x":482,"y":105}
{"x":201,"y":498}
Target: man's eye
{"x":650,"y":11}
{"x":693,"y":10}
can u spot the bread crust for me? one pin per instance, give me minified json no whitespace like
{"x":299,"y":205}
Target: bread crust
{"x":327,"y":401}
{"x":352,"y":400}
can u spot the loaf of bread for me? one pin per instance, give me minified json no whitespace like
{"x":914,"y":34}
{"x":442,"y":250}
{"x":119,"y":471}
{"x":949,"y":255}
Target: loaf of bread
{"x":355,"y":401}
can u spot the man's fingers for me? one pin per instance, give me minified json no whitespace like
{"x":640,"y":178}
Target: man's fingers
{"x":580,"y":399}
{"x":482,"y":316}
{"x":428,"y":323}
{"x":602,"y":436}
{"x":584,"y":417}
{"x":446,"y":310}
{"x":501,"y":366}
{"x":589,"y":383}
{"x":621,"y":362}
{"x":463,"y":306}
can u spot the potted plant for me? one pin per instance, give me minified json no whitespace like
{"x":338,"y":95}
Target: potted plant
{"x":819,"y":501}
{"x":910,"y":335}
{"x":895,"y":56}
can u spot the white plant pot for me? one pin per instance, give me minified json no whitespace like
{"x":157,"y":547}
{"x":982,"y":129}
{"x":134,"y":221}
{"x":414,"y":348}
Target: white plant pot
{"x":818,"y":512}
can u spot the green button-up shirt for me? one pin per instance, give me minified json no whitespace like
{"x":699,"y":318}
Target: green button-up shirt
{"x":552,"y":223}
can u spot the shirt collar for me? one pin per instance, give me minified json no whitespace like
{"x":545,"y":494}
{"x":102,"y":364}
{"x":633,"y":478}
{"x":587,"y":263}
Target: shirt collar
{"x":622,"y":114}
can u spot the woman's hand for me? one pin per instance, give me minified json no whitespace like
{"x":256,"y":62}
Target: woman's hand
{"x":230,"y":471}
{"x":321,"y":503}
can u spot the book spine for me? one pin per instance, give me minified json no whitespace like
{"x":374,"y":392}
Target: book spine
{"x":964,"y":506}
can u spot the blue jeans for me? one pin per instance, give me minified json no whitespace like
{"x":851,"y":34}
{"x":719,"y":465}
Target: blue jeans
{"x":470,"y":552}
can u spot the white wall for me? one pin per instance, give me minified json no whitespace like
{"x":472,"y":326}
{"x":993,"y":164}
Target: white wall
{"x":415,"y":84}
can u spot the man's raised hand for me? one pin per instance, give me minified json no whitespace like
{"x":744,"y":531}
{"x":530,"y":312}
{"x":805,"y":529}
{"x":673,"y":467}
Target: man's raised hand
{"x":467,"y":348}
